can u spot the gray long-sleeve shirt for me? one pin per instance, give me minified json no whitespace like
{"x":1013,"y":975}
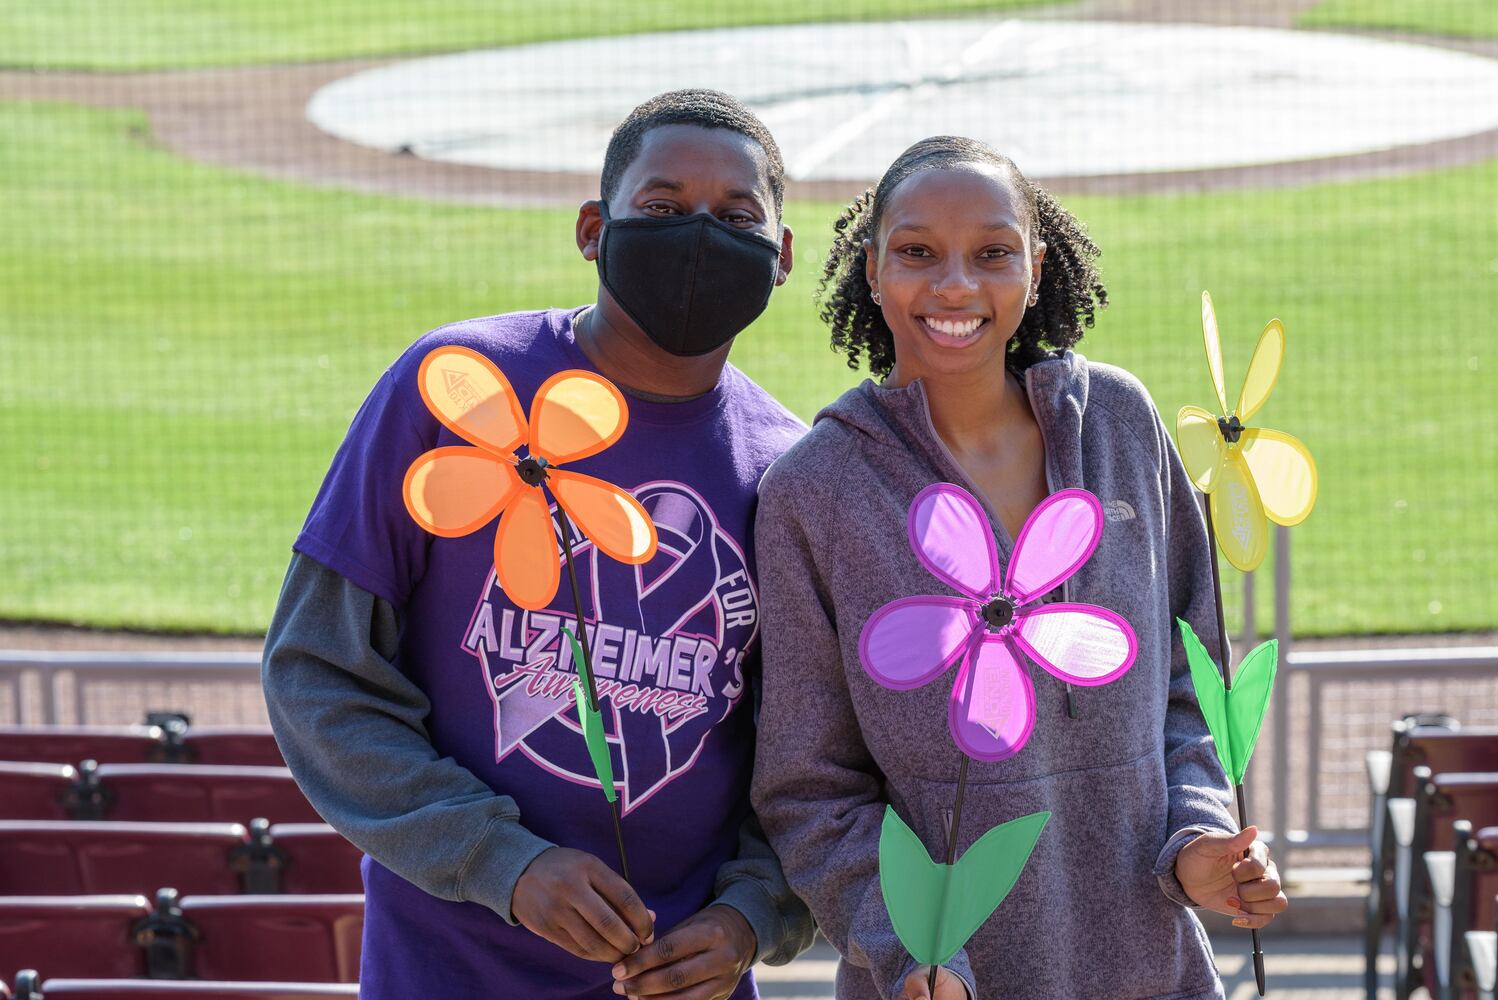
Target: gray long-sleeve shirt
{"x":1098,"y":912}
{"x":352,"y":727}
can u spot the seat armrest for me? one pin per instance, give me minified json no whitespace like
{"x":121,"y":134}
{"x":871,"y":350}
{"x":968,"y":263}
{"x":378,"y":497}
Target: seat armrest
{"x":1482,"y":949}
{"x":1379,"y":763}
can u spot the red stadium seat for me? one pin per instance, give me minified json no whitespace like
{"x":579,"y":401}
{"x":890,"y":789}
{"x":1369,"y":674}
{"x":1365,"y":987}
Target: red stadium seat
{"x":35,"y":791}
{"x":1475,"y":885}
{"x":1434,"y":740}
{"x":57,"y":858}
{"x":71,"y":744}
{"x":312,"y":939}
{"x":241,"y":745}
{"x":1440,"y":800}
{"x":147,"y":989}
{"x":1449,"y":751}
{"x":316,"y":859}
{"x":74,"y":936}
{"x":202,"y":793}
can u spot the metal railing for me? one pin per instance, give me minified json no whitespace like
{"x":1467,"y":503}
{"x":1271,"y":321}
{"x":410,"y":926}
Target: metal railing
{"x":52,"y":672}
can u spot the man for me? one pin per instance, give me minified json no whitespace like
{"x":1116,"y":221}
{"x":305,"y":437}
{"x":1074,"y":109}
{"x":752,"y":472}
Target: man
{"x":428,"y":717}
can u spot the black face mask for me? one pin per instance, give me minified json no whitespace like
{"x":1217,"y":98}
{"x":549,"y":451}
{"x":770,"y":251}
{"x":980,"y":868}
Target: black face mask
{"x":692,"y":283}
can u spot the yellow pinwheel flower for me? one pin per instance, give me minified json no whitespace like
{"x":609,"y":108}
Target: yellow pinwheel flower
{"x":1248,"y":473}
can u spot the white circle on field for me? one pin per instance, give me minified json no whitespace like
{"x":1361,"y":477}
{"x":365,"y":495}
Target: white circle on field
{"x":1063,"y":98}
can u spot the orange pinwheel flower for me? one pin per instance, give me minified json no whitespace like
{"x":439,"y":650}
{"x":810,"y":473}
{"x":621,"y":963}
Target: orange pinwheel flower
{"x":456,"y":490}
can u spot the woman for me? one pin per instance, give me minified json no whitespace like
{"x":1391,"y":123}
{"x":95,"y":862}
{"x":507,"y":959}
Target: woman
{"x":965,"y":285}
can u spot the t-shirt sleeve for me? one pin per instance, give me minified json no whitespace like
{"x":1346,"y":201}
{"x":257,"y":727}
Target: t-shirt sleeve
{"x":358,"y":526}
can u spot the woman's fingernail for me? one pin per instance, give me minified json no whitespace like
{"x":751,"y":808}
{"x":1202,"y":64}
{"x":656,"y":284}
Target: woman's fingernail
{"x":1234,"y":902}
{"x":619,"y":988}
{"x":619,"y":971}
{"x":1240,"y":922}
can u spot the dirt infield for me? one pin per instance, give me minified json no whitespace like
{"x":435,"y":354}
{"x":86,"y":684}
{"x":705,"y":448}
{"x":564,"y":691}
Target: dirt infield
{"x":253,"y":119}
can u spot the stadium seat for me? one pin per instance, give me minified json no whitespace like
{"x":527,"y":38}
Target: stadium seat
{"x":1440,"y":800}
{"x":239,"y":745}
{"x":74,"y":936}
{"x":62,"y":857}
{"x":313,"y":939}
{"x":1434,"y":740}
{"x":71,"y":744}
{"x":1474,"y":885}
{"x":147,"y":989}
{"x":35,"y":791}
{"x":316,"y":859}
{"x":202,"y":793}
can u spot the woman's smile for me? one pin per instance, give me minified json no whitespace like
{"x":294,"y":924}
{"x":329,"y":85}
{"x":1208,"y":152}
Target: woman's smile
{"x":954,"y":331}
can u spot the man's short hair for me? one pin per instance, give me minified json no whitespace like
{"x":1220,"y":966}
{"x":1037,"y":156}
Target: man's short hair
{"x":703,"y":108}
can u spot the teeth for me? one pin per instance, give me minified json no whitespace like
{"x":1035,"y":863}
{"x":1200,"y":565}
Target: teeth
{"x":954,"y":328}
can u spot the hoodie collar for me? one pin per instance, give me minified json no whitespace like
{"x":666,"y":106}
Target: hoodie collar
{"x":901,"y":417}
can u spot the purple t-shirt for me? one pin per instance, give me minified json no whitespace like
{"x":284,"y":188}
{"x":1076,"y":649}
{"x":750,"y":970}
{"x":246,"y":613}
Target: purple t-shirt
{"x":669,"y":657}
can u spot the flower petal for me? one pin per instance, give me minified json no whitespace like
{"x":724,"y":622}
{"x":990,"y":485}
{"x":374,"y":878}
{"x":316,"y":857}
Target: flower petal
{"x":992,"y":708}
{"x":610,"y":518}
{"x":910,"y":641}
{"x":1284,"y":474}
{"x":1201,"y":445}
{"x":456,"y":490}
{"x":1238,"y":517}
{"x":576,"y":414}
{"x":1058,"y":537}
{"x":950,"y":534}
{"x":525,"y":552}
{"x":1214,"y":351}
{"x":1079,"y":643}
{"x":472,"y":398}
{"x":1263,"y":370}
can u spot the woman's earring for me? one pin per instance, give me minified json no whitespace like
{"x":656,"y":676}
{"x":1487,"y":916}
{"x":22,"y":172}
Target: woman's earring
{"x":877,"y":300}
{"x":1034,"y":296}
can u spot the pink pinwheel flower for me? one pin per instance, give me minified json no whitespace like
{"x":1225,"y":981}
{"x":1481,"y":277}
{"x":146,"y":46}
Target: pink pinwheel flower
{"x":911,"y":641}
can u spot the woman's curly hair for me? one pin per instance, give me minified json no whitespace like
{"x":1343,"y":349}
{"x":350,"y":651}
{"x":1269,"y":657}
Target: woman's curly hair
{"x":1070,"y":288}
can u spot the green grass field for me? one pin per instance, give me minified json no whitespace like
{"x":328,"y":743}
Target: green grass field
{"x":165,"y":34}
{"x":184,"y":346}
{"x":1462,"y":18}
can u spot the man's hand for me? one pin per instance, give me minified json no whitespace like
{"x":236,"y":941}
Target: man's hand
{"x":948,"y":986}
{"x":702,"y":958}
{"x":1216,"y":875}
{"x":581,"y":905}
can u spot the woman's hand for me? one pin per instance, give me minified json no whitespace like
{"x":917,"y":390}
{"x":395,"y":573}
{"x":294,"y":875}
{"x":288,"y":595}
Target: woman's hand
{"x":1216,"y":875}
{"x":948,"y":986}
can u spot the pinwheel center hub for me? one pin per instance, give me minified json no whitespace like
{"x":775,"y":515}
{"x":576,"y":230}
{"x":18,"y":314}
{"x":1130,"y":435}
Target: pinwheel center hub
{"x":532,"y":471}
{"x":998,"y":613}
{"x":1231,"y":427}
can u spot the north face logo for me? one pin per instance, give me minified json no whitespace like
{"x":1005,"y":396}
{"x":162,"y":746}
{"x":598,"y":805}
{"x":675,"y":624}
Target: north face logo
{"x":1118,"y":510}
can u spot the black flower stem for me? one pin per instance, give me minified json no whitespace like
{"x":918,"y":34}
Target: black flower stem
{"x":952,"y":846}
{"x":582,"y":638}
{"x":1227,"y":683}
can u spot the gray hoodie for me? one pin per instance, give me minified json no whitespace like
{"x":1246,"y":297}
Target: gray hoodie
{"x":1130,"y":780}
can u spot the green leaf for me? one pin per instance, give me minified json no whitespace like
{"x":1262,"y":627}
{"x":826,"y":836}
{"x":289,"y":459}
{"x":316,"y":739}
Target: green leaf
{"x":1248,"y":700}
{"x":592,"y":721}
{"x":1234,"y":717}
{"x":935,"y":908}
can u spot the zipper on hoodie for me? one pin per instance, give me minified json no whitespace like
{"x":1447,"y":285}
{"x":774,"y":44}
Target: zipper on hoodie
{"x":972,"y":487}
{"x":1072,"y":712}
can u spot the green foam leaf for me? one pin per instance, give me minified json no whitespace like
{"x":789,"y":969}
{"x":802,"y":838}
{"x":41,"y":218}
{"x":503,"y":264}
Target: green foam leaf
{"x":1234,"y":716}
{"x":934,"y":907}
{"x":592,"y":721}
